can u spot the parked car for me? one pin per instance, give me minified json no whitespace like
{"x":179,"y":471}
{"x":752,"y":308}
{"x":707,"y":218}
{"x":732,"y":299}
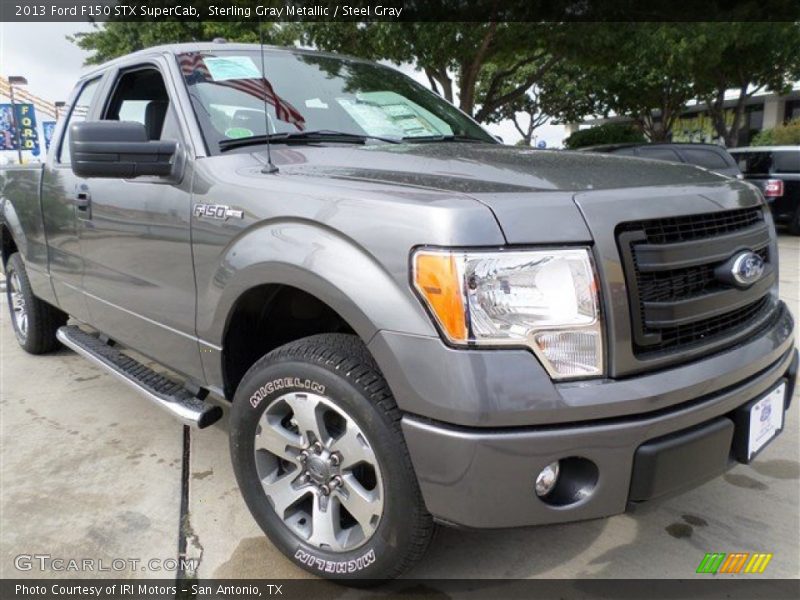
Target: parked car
{"x":409,"y":322}
{"x":776,"y":171}
{"x":709,"y":156}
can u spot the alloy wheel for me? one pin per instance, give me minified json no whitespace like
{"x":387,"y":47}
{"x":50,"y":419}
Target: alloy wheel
{"x":319,"y":471}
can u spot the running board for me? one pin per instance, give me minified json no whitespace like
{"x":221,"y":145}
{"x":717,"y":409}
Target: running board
{"x":163,"y":392}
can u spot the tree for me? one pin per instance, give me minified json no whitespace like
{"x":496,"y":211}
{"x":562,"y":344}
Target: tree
{"x":116,"y":38}
{"x":641,"y":70}
{"x":525,"y":113}
{"x":746,"y":58}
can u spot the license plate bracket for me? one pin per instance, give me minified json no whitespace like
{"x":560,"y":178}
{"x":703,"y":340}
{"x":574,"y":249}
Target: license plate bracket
{"x":758,"y":423}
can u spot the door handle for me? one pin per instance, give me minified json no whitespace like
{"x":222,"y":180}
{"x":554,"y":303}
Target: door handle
{"x":83,"y":201}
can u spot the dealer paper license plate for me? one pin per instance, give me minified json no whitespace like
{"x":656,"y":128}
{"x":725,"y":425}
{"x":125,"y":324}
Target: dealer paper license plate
{"x":766,"y":419}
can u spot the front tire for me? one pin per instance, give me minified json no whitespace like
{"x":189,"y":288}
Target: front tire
{"x":35,"y":322}
{"x":321,"y":461}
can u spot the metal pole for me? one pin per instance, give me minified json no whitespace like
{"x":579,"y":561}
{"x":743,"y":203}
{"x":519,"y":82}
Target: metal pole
{"x":16,"y":124}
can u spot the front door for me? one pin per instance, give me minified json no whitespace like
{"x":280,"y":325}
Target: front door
{"x":135,"y":239}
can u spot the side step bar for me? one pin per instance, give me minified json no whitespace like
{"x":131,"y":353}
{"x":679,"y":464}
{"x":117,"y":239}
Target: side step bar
{"x":165,"y":393}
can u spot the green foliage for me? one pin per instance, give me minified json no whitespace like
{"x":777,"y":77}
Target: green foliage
{"x":609,"y":133}
{"x":763,"y":138}
{"x":642,"y":70}
{"x":783,"y":135}
{"x":117,"y":38}
{"x":747,"y":57}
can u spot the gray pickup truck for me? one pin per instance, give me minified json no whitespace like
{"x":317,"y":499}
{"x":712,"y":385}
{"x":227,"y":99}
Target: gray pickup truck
{"x":408,"y":322}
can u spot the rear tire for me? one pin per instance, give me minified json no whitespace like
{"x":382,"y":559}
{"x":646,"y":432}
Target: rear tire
{"x":372,"y":522}
{"x":35,"y":322}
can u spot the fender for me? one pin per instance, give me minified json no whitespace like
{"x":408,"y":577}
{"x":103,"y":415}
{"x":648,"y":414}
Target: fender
{"x":317,"y":260}
{"x":11,"y":224}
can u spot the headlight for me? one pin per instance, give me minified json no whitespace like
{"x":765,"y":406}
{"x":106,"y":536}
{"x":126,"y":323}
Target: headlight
{"x":543,"y":299}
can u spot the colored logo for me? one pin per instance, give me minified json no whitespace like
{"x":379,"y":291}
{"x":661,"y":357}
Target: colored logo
{"x":766,"y":412}
{"x":734,"y":563}
{"x":748,"y":267}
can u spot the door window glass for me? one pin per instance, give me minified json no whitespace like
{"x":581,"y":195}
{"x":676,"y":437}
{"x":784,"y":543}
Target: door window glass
{"x":77,"y":113}
{"x":141,"y":96}
{"x":704,"y":158}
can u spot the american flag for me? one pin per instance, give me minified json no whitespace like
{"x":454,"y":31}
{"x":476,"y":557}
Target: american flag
{"x":195,"y":71}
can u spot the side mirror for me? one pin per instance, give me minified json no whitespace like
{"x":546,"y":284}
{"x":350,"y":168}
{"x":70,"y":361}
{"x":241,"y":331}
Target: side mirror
{"x":118,"y":149}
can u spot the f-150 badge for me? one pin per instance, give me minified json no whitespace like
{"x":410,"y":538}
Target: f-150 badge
{"x":217,"y":211}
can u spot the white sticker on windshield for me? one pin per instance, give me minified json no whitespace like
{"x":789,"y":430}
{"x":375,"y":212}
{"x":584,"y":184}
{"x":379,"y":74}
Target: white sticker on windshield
{"x":231,"y":67}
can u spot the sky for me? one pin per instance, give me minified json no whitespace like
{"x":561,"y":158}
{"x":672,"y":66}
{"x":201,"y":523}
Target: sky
{"x":52,"y":64}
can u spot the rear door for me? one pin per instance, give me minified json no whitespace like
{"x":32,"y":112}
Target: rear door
{"x":139,"y":277}
{"x":62,"y":204}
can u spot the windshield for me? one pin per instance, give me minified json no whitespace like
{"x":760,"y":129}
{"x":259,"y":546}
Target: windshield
{"x":305,"y":92}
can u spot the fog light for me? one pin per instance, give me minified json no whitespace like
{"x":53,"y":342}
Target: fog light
{"x":546,"y":480}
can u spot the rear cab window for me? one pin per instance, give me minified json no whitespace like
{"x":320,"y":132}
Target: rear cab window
{"x":704,"y":157}
{"x":658,"y":153}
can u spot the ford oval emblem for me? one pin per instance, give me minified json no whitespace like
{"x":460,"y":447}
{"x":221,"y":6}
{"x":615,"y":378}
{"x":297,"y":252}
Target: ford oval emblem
{"x":747,"y":268}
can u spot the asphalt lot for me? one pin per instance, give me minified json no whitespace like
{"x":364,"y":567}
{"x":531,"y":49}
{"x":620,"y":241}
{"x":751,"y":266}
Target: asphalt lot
{"x":88,"y":469}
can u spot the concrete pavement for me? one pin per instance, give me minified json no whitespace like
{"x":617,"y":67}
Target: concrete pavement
{"x":90,"y":470}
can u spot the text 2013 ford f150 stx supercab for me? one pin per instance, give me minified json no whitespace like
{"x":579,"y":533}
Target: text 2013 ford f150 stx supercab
{"x":409,"y":322}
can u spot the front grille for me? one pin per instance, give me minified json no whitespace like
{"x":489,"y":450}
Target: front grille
{"x":675,"y":297}
{"x":694,"y":227}
{"x":729,"y":324}
{"x":677,"y":284}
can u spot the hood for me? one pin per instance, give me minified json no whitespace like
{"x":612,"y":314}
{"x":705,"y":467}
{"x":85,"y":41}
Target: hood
{"x":482,"y":168}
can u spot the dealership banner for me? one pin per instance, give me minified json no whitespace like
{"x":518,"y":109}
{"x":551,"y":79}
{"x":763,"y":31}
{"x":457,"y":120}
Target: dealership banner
{"x":48,"y":128}
{"x":18,"y":128}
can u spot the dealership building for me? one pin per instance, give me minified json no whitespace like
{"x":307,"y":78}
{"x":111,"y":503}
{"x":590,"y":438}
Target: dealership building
{"x":763,"y":110}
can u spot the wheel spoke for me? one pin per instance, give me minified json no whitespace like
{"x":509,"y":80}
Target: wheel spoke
{"x":276,"y":439}
{"x":19,"y":313}
{"x":295,"y":434}
{"x":283,"y":492}
{"x":361,"y":503}
{"x":308,"y":418}
{"x":325,"y":522}
{"x":353,"y":448}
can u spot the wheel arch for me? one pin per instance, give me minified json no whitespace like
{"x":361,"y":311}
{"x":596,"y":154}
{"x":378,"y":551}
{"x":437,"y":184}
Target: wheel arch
{"x":314,"y":265}
{"x":12,"y":236}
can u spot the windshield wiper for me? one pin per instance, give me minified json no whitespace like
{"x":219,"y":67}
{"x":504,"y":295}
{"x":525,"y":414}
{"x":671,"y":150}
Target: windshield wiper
{"x":444,"y":138}
{"x":303,"y":136}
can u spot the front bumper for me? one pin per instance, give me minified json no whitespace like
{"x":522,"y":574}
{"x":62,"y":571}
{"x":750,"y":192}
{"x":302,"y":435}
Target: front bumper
{"x":483,"y":477}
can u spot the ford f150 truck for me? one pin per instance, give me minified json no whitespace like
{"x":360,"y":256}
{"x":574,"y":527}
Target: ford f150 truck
{"x":409,"y":322}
